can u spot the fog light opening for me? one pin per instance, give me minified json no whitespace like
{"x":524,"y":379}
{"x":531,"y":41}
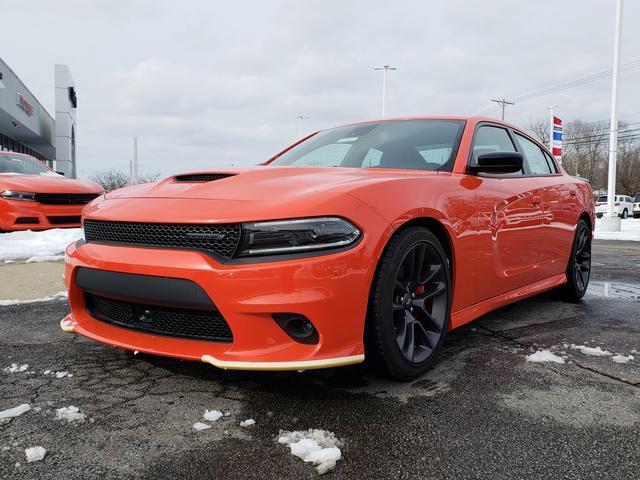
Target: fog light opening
{"x":297,"y":326}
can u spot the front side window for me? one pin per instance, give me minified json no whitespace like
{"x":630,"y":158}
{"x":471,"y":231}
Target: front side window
{"x":493,"y":139}
{"x":535,"y":158}
{"x":22,"y":164}
{"x":399,"y":144}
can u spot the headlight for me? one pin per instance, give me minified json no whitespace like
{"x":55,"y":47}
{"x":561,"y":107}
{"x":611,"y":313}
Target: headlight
{"x":293,"y":236}
{"x":13,"y":195}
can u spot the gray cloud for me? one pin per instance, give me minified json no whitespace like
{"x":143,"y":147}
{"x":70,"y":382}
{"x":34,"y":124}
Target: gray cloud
{"x":204,"y":84}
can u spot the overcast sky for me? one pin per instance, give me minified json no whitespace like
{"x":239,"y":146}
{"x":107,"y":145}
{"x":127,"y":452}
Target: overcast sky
{"x":212,"y":83}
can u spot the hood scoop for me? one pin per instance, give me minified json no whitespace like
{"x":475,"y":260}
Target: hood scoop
{"x":201,"y":177}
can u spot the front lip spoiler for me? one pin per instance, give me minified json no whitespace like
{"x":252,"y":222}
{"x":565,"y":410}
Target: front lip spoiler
{"x":67,"y":324}
{"x":284,"y":366}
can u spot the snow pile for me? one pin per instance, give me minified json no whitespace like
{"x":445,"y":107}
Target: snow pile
{"x":57,"y":296}
{"x":212,"y":415}
{"x":15,"y":368}
{"x":201,"y":426}
{"x":248,"y":422}
{"x":622,"y":359}
{"x":15,"y":411}
{"x":58,"y":374}
{"x":37,"y":246}
{"x":629,"y":230}
{"x":543,"y":356}
{"x":70,"y":414}
{"x":34,"y":454}
{"x":593,"y":351}
{"x":319,"y":447}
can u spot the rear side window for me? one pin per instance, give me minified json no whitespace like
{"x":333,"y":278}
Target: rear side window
{"x":534,"y":156}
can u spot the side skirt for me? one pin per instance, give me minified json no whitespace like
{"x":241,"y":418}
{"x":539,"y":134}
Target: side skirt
{"x":468,"y":314}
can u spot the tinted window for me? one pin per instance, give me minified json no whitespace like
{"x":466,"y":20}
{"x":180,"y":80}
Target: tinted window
{"x":493,"y":139}
{"x":403,"y":144}
{"x":533,"y":155}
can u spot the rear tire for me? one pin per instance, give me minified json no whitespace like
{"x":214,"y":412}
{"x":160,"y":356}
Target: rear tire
{"x":579,"y":268}
{"x":625,"y":214}
{"x":409,"y":305}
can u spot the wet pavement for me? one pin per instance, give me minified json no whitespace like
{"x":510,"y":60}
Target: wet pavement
{"x":482,"y":412}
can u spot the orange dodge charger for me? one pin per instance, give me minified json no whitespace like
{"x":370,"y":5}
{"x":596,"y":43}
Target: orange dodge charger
{"x":34,"y":197}
{"x":370,"y":240}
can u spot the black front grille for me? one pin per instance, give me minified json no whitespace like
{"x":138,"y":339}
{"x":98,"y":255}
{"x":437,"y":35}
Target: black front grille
{"x":201,"y":177}
{"x":207,"y":325}
{"x":65,"y":198}
{"x":219,"y":239}
{"x":26,"y":220}
{"x":61,"y":220}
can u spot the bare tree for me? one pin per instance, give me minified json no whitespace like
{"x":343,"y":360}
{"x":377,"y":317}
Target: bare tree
{"x":585,"y":150}
{"x":540,"y":130}
{"x":628,"y":167}
{"x":148,"y":177}
{"x":111,"y":179}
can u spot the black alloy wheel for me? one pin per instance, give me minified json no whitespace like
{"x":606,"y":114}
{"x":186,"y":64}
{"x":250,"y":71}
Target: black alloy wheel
{"x":419,"y":303}
{"x":579,"y":268}
{"x":409,"y":306}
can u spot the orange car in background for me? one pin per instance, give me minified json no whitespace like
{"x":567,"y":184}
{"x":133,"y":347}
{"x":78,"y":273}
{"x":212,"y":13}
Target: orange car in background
{"x":370,"y":240}
{"x":34,"y":197}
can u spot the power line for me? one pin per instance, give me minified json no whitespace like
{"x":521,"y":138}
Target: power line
{"x":575,"y":83}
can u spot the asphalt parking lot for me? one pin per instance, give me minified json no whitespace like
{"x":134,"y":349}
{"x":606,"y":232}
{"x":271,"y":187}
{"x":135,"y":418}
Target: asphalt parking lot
{"x":482,"y":412}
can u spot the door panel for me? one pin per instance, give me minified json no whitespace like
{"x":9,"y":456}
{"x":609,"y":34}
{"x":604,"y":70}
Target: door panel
{"x":560,"y":210}
{"x":509,"y":219}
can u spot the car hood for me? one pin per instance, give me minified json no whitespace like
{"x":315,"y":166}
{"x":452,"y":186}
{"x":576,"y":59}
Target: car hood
{"x":264,"y":183}
{"x":46,"y":184}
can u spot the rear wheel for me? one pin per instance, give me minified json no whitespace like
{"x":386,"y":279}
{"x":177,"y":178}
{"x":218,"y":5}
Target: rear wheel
{"x":625,"y":213}
{"x":409,"y":307}
{"x":579,"y":268}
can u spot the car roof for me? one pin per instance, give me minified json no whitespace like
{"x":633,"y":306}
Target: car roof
{"x":467,"y":118}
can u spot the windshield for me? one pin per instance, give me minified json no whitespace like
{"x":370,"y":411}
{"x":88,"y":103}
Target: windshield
{"x":602,"y":199}
{"x":402,"y":144}
{"x":22,"y":164}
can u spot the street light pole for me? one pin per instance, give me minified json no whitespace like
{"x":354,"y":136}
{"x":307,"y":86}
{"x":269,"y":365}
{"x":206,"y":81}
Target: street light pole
{"x":385,"y":69}
{"x":301,"y":118}
{"x":611,"y":221}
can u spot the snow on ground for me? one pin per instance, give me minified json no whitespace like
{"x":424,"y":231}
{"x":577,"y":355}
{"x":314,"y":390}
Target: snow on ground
{"x":70,"y":414}
{"x":35,"y":454}
{"x":319,"y":447}
{"x":593,"y":351}
{"x":248,"y":422}
{"x":37,"y":246}
{"x":212,"y":415}
{"x":57,"y":296}
{"x":622,"y":359}
{"x":15,"y":368}
{"x":542,"y":356}
{"x":629,"y":230}
{"x":15,"y":411}
{"x":201,"y":426}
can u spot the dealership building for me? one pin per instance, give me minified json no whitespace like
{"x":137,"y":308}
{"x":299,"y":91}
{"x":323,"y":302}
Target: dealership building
{"x":27,"y":127}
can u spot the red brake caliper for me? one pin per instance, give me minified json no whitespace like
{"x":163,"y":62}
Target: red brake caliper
{"x":420,"y":289}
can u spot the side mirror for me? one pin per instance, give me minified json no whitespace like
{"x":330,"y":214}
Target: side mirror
{"x":497,"y":162}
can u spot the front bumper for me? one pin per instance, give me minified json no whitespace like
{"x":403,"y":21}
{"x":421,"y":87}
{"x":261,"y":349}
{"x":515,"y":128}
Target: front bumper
{"x":330,"y":290}
{"x":41,"y":216}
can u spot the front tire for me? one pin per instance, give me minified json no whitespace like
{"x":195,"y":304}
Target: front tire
{"x":625,"y":214}
{"x":409,"y":306}
{"x":579,"y":268}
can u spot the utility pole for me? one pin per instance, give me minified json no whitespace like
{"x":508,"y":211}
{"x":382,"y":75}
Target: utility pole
{"x":301,"y":119}
{"x":502,"y":102}
{"x":134,"y":166}
{"x":611,"y":221}
{"x":385,"y":69}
